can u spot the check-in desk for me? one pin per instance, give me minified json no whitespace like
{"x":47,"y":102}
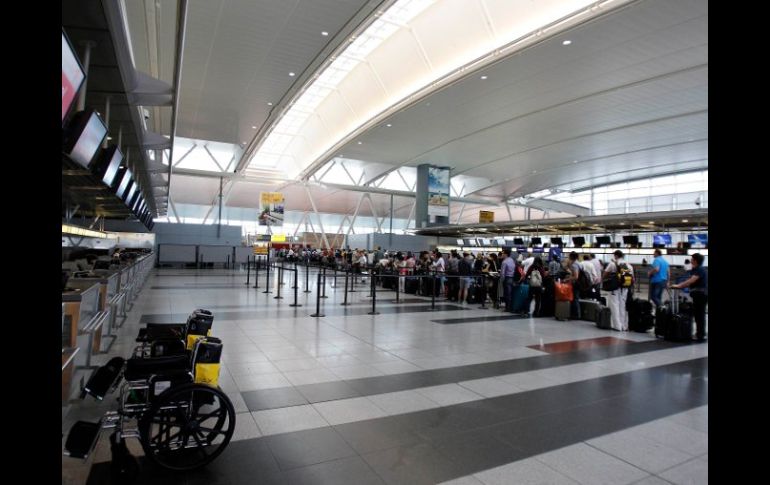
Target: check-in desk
{"x":82,"y":325}
{"x":108,"y":284}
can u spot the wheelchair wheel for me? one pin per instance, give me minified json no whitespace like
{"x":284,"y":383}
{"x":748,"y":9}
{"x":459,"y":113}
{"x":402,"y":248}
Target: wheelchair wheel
{"x":187,"y":426}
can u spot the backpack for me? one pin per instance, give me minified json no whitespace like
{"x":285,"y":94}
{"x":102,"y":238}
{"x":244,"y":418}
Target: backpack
{"x":583,"y":282}
{"x":623,"y":278}
{"x":535,"y":279}
{"x":464,"y":268}
{"x":518,"y":274}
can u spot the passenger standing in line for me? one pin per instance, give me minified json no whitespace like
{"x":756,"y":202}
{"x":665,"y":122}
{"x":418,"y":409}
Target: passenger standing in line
{"x":464,"y":270}
{"x":452,"y":268}
{"x":699,"y":291}
{"x":554,"y":266}
{"x":594,"y":276}
{"x":687,"y":265}
{"x":534,"y":278}
{"x":574,"y":273}
{"x":508,"y":269}
{"x":600,"y":271}
{"x":659,"y":277}
{"x":363,"y":262}
{"x":616,"y":300}
{"x":526,"y":263}
{"x":439,"y":266}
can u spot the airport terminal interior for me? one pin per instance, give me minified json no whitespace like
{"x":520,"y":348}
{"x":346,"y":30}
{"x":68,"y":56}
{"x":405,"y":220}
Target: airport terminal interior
{"x":384,"y":242}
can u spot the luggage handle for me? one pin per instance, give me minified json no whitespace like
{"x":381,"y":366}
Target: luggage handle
{"x":673,"y":297}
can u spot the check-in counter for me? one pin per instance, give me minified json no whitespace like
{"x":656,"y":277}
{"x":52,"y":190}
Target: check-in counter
{"x":83,"y":321}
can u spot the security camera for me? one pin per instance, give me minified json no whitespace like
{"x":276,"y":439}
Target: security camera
{"x":146,"y":113}
{"x":698,"y":201}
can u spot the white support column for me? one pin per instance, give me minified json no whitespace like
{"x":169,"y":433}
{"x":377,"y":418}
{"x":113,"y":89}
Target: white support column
{"x":315,"y":234}
{"x":411,"y":214}
{"x":508,"y":208}
{"x":320,"y":222}
{"x":301,"y":220}
{"x":185,"y":154}
{"x":374,"y":213}
{"x":173,"y":209}
{"x":460,"y":215}
{"x":355,"y":214}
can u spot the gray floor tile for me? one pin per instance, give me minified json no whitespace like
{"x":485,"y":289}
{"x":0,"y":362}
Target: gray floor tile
{"x":402,"y":402}
{"x":376,"y":435}
{"x":490,"y":387}
{"x":286,"y":420}
{"x":448,"y":394}
{"x":345,"y":471}
{"x":262,"y":381}
{"x":327,"y":391}
{"x":639,"y":450}
{"x":297,"y":364}
{"x":310,"y":376}
{"x":524,"y":472}
{"x":348,"y":410}
{"x":412,"y":464}
{"x":671,"y":434}
{"x":652,"y":480}
{"x":273,"y":398}
{"x":395,"y":367}
{"x":303,"y":448}
{"x":590,"y":466}
{"x":245,"y":427}
{"x":468,"y":480}
{"x":694,"y":472}
{"x":355,"y":371}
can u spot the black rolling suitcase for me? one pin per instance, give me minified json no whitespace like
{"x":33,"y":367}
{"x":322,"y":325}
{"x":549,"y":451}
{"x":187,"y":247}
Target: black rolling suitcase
{"x":673,"y":320}
{"x":640,"y":316}
{"x":547,"y":300}
{"x":411,"y":285}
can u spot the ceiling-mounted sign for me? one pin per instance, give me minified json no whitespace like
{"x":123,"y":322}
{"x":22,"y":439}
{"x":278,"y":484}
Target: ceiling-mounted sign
{"x":486,"y":217}
{"x":260,"y":249}
{"x":278,"y":238}
{"x":438,"y":191}
{"x":271,"y":208}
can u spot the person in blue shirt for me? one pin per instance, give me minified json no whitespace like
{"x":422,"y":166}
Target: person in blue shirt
{"x":699,"y":291}
{"x":658,"y":277}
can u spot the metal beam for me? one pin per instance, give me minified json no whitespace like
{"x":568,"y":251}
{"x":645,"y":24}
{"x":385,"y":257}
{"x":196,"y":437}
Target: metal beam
{"x":180,"y":36}
{"x":355,"y":214}
{"x":205,"y":147}
{"x":320,"y":222}
{"x":404,"y":193}
{"x":195,"y":145}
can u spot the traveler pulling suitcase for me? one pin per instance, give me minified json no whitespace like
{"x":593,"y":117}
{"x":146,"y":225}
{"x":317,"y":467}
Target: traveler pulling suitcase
{"x":673,"y":320}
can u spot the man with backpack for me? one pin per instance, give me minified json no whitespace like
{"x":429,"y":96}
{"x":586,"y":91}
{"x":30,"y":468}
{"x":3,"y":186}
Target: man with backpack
{"x":618,"y":279}
{"x":534,"y":277}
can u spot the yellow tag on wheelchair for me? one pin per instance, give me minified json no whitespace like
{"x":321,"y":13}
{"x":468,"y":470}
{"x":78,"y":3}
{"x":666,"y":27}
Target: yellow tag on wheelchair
{"x":206,"y":356}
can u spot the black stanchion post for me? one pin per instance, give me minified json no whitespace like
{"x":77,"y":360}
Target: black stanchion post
{"x":280,"y":277}
{"x":296,"y":280}
{"x":248,"y":268}
{"x":307,"y":275}
{"x":483,"y":292}
{"x":352,"y":281}
{"x":295,"y":286}
{"x":398,"y":283}
{"x":267,"y":274}
{"x":318,"y":313}
{"x":374,"y":295}
{"x":345,"y":303}
{"x":433,"y":293}
{"x":323,"y":295}
{"x":256,"y":271}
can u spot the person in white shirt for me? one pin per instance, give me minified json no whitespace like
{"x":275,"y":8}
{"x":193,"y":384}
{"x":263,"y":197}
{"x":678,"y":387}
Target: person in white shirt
{"x":616,"y":300}
{"x":594,"y":275}
{"x":362,"y":263}
{"x":527,"y":262}
{"x":439,"y":266}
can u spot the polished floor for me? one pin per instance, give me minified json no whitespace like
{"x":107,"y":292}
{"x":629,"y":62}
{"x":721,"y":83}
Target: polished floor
{"x":458,"y":395}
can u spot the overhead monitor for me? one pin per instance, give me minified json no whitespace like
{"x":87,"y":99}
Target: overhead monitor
{"x":459,"y":242}
{"x":107,"y":165}
{"x":125,"y":180}
{"x":84,"y":137}
{"x":484,"y":242}
{"x":469,"y":242}
{"x":517,"y":241}
{"x":698,"y":239}
{"x":631,"y":240}
{"x":536,"y":240}
{"x":130,"y":195}
{"x":578,"y":241}
{"x":664,"y":239}
{"x":557,"y":241}
{"x":501,"y":241}
{"x":72,"y":75}
{"x":603,"y":240}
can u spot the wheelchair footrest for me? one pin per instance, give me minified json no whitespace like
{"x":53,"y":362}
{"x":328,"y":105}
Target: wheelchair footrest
{"x":82,"y":439}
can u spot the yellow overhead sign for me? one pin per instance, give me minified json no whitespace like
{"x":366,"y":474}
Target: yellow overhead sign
{"x":486,"y":217}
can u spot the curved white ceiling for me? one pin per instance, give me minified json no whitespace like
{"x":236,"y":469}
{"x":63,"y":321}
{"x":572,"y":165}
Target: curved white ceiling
{"x":412,"y":47}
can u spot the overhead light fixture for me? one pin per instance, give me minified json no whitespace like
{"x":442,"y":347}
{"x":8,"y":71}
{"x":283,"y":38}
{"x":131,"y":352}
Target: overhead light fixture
{"x":82,"y":231}
{"x":483,"y":77}
{"x":269,"y":103}
{"x":534,"y":171}
{"x":685,"y":220}
{"x":324,"y":33}
{"x":388,"y":125}
{"x":652,"y":222}
{"x":360,"y":143}
{"x":574,"y":161}
{"x":566,"y":42}
{"x":253,"y":127}
{"x":291,"y":74}
{"x":109,"y":138}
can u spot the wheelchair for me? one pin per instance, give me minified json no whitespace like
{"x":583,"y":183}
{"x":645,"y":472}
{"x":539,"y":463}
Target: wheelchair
{"x":168,"y":399}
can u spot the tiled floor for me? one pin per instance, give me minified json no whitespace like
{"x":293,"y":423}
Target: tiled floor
{"x":459,"y":395}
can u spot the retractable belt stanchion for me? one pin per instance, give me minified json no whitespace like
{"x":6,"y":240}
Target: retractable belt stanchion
{"x":352,"y":280}
{"x":433,"y":294}
{"x":398,"y":283}
{"x":296,"y":281}
{"x":323,"y":295}
{"x":267,"y":274}
{"x":248,"y":268}
{"x":295,"y":287}
{"x":280,"y":282}
{"x":345,"y":303}
{"x":307,"y":276}
{"x":318,"y":313}
{"x":374,"y":295}
{"x":256,"y":271}
{"x":483,"y":290}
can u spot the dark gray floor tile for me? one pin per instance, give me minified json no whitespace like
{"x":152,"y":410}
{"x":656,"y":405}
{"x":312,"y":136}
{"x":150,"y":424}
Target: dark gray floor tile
{"x":336,"y":312}
{"x":148,"y":474}
{"x":413,"y":464}
{"x":273,"y":398}
{"x":477,"y":450}
{"x":346,"y":471}
{"x":490,"y":318}
{"x":327,"y":391}
{"x":377,"y":434}
{"x":309,"y":447}
{"x":241,"y":460}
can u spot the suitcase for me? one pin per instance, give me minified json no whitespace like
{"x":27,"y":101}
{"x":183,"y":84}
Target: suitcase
{"x":589,"y":309}
{"x":475,"y":294}
{"x":561,"y":310}
{"x":604,"y":318}
{"x":520,"y":299}
{"x":640,"y":318}
{"x":674,"y":320}
{"x":411,"y":285}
